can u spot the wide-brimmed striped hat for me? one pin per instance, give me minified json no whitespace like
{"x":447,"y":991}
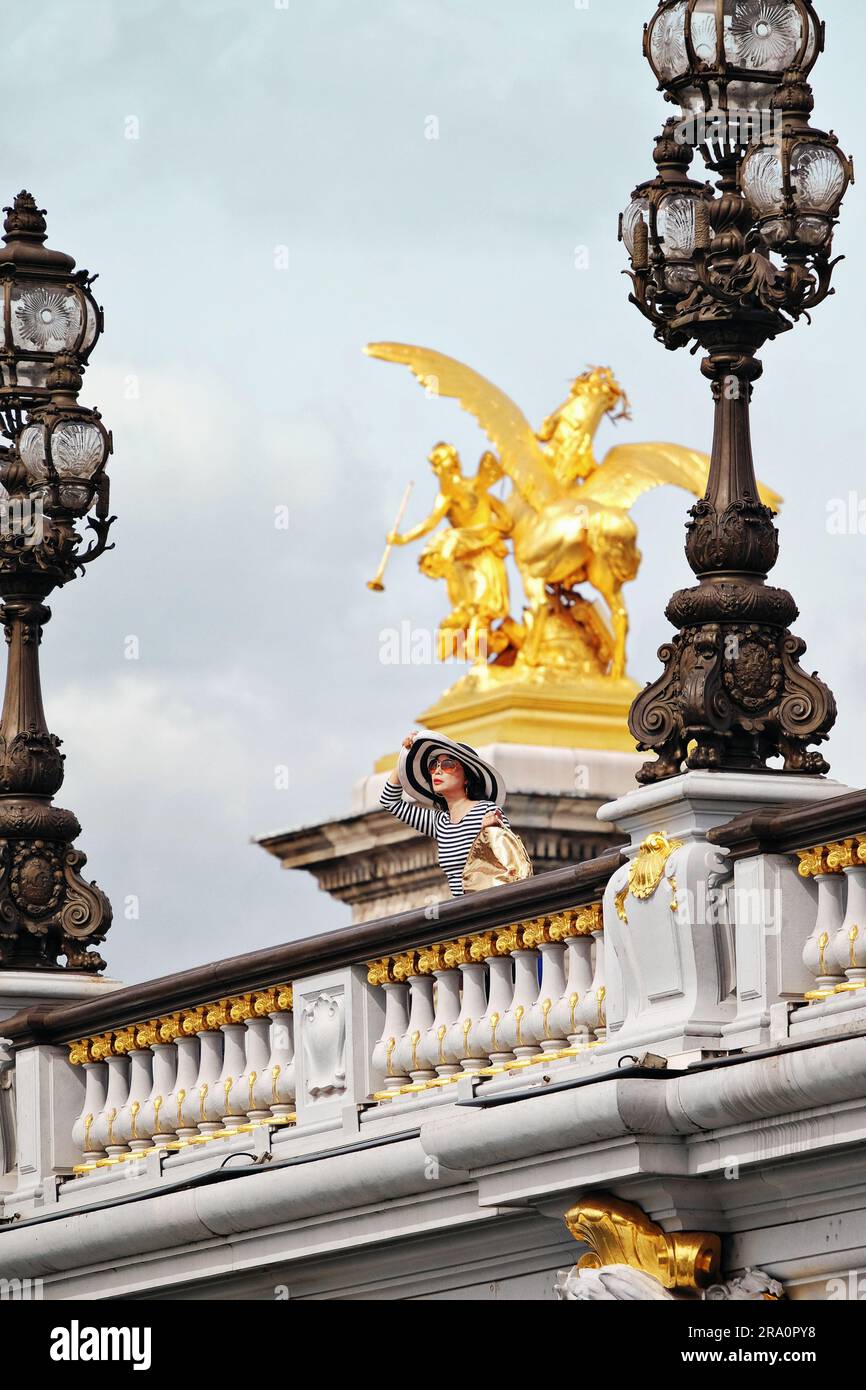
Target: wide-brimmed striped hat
{"x":412,"y":768}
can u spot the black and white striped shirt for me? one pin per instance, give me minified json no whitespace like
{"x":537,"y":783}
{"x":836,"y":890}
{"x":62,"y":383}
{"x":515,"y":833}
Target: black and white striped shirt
{"x":454,"y":840}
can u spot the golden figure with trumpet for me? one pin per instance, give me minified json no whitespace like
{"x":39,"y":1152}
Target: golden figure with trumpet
{"x":567,"y":523}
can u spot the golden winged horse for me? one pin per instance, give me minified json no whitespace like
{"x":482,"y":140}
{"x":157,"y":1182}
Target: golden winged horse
{"x":570,"y":522}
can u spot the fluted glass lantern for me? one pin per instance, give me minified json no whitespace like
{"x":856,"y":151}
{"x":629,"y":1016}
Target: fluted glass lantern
{"x":48,"y":308}
{"x":730,"y":54}
{"x":636,"y":213}
{"x":795,"y":182}
{"x":660,"y":225}
{"x":64,"y":452}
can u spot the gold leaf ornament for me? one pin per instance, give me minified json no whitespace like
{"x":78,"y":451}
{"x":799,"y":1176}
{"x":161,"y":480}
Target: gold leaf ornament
{"x":646,"y":870}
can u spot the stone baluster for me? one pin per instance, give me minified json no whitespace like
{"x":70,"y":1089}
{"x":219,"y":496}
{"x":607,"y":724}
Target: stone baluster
{"x":576,"y":929}
{"x":396,"y":1025}
{"x":541,"y":1026}
{"x":232,"y":1015}
{"x":203,"y":1108}
{"x":849,"y":944}
{"x":257,"y":1051}
{"x":103,"y":1135}
{"x":462,"y":1044}
{"x":514,"y":1030}
{"x":432,"y":1048}
{"x":95,"y":1091}
{"x":590,"y":1013}
{"x":818,"y":954}
{"x":407,"y":1058}
{"x":126,"y":1127}
{"x":493,"y":948}
{"x":187,"y":1047}
{"x":275,"y":1088}
{"x":155,"y":1120}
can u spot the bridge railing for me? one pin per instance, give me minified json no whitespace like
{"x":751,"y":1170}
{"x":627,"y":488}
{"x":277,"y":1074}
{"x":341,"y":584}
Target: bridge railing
{"x":290,"y":1036}
{"x":495,"y":989}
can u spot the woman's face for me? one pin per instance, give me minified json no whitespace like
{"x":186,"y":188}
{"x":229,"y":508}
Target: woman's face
{"x":447,"y":775}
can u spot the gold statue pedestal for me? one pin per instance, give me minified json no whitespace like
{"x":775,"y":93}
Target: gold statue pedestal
{"x":555,"y":709}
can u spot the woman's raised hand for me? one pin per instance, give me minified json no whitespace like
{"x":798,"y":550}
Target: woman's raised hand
{"x":407,"y":743}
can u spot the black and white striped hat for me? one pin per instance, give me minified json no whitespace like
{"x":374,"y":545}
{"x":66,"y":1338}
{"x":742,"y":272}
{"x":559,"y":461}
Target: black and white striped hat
{"x":412,"y":768}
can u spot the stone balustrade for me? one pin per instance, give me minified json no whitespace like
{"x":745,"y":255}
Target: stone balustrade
{"x":815,"y":859}
{"x":493,"y":1003}
{"x":500,"y":1001}
{"x":581,"y":969}
{"x":835,"y":951}
{"x":171,"y":1072}
{"x":180,"y":1080}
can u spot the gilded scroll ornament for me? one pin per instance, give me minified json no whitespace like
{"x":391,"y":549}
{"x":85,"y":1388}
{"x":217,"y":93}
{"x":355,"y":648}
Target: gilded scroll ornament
{"x":621,"y":1234}
{"x":646,"y":871}
{"x":814,"y":861}
{"x":405,"y":966}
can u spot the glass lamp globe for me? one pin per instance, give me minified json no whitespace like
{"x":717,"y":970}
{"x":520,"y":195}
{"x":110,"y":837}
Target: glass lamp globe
{"x":795,"y":186}
{"x":735,"y":67}
{"x":638,"y":208}
{"x":47,"y":305}
{"x":64,"y":454}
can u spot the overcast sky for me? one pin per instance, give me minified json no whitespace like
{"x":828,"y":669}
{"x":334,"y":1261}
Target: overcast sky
{"x":254,"y":182}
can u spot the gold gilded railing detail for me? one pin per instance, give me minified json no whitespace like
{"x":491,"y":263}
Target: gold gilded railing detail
{"x":537,"y":933}
{"x":813,"y":862}
{"x":832,"y":858}
{"x":203,"y":1018}
{"x":405,"y":966}
{"x":264,"y":1002}
{"x":380,"y":972}
{"x":169,"y":1028}
{"x":457,"y":953}
{"x":239,"y":1010}
{"x":498,"y":941}
{"x":430,"y":959}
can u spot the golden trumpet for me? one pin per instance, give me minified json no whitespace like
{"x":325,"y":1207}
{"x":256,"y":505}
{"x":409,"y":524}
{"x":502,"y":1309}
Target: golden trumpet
{"x":376,"y":582}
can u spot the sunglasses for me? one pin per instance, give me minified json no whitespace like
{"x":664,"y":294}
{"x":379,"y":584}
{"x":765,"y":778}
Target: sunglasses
{"x":442,"y":765}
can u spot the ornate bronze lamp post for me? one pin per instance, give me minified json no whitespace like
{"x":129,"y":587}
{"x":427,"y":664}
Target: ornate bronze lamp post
{"x":729,"y":269}
{"x":53,"y":476}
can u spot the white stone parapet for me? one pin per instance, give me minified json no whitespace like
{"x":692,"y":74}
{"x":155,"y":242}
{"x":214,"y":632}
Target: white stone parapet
{"x":683,"y":952}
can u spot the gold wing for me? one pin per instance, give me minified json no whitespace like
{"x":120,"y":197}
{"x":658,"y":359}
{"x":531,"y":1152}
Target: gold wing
{"x":503,"y":422}
{"x":630,"y":470}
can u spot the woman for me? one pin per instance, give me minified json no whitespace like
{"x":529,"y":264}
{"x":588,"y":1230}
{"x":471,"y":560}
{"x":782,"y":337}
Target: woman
{"x":461,"y":793}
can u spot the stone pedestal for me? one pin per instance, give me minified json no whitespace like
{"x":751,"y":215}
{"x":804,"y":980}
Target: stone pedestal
{"x":697,"y":953}
{"x":379,"y":866}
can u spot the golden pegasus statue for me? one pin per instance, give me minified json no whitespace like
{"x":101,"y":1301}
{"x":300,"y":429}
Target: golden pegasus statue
{"x":566,"y":518}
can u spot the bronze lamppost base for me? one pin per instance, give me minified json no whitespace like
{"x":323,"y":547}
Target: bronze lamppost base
{"x":47,"y":909}
{"x":730,"y":269}
{"x":733,"y":694}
